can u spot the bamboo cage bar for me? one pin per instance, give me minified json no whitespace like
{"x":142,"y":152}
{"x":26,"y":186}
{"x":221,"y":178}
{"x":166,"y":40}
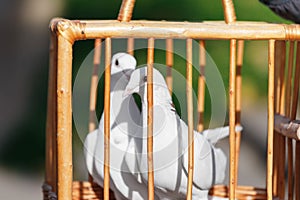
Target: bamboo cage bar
{"x":150,"y":59}
{"x":296,"y":83}
{"x":106,"y":181}
{"x":230,"y":17}
{"x":51,"y":161}
{"x":126,"y":10}
{"x":82,"y":29}
{"x":189,"y":94}
{"x":279,"y":140}
{"x":94,"y":83}
{"x":232,"y":107}
{"x":276,"y":107}
{"x":282,"y":61}
{"x":229,"y":12}
{"x":125,"y":15}
{"x":130,"y":46}
{"x":293,"y":117}
{"x":242,"y":192}
{"x":297,"y":145}
{"x":169,"y":63}
{"x":201,"y":86}
{"x":64,"y":118}
{"x":270,"y":118}
{"x":239,"y":64}
{"x":288,"y":113}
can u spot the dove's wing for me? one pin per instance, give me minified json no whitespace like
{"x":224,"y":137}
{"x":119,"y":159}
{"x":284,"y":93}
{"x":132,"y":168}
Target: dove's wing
{"x":214,"y":135}
{"x":209,"y":162}
{"x":203,"y":159}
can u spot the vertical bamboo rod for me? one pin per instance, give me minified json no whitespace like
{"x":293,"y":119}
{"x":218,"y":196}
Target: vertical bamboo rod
{"x":130,"y":46}
{"x":296,"y":83}
{"x":169,"y":63}
{"x":150,"y":59}
{"x":288,"y":113}
{"x":64,"y":119}
{"x":276,"y":107}
{"x":277,"y":75}
{"x":94,"y":83}
{"x":232,"y":121}
{"x":279,"y":140}
{"x":189,"y":93}
{"x":50,"y":175}
{"x":107,"y":118}
{"x":239,"y":64}
{"x":270,"y":118}
{"x":294,"y":109}
{"x":93,"y":88}
{"x":280,"y":145}
{"x":289,"y":80}
{"x":282,"y":73}
{"x":201,"y":86}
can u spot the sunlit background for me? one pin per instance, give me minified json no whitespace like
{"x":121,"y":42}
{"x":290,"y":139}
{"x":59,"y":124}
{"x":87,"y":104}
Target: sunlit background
{"x":24,"y":74}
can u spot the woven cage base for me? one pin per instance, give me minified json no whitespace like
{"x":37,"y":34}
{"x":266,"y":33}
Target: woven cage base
{"x":83,"y":190}
{"x":242,"y":192}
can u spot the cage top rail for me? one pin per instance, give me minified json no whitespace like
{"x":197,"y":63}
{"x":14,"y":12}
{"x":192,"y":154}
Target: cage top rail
{"x":74,"y":30}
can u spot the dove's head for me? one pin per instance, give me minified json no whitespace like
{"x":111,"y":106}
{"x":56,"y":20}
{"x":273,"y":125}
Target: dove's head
{"x":123,"y":63}
{"x":138,"y":84}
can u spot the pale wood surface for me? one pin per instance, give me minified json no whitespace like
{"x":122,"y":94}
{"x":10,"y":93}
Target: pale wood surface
{"x":232,"y":120}
{"x":150,"y":60}
{"x":126,"y":10}
{"x":169,"y":63}
{"x":289,"y":94}
{"x":189,"y":94}
{"x":201,"y":86}
{"x":82,"y":29}
{"x":94,"y":84}
{"x":107,"y":118}
{"x":238,"y":108}
{"x":270,"y":118}
{"x":64,"y":118}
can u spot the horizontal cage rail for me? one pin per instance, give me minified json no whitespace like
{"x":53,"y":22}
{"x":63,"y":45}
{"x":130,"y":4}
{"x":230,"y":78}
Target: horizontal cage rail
{"x":82,"y":29}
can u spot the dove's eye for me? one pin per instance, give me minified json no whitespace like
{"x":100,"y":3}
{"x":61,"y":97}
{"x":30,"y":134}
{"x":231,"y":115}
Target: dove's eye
{"x":117,"y":63}
{"x":145,"y":78}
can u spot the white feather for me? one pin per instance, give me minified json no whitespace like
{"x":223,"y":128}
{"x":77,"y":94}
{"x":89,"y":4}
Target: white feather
{"x":170,"y":144}
{"x":124,"y":120}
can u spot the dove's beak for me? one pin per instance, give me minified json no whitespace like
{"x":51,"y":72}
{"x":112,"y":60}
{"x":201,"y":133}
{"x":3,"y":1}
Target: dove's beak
{"x":126,"y":93}
{"x":130,"y":90}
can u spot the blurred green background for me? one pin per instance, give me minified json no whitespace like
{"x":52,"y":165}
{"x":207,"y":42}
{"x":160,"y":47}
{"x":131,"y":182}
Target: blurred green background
{"x":24,"y":76}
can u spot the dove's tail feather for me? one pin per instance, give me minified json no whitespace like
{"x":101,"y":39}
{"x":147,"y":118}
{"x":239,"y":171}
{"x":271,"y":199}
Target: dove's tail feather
{"x":214,"y":135}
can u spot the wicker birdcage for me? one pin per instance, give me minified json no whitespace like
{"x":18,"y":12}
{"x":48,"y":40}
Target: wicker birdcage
{"x":282,"y":97}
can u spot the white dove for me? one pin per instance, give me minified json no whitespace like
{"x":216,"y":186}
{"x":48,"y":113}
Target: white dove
{"x":124,"y":120}
{"x":170,"y":143}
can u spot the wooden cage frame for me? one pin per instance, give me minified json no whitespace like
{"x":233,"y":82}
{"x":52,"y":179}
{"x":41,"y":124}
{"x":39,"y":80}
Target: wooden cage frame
{"x":282,"y":97}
